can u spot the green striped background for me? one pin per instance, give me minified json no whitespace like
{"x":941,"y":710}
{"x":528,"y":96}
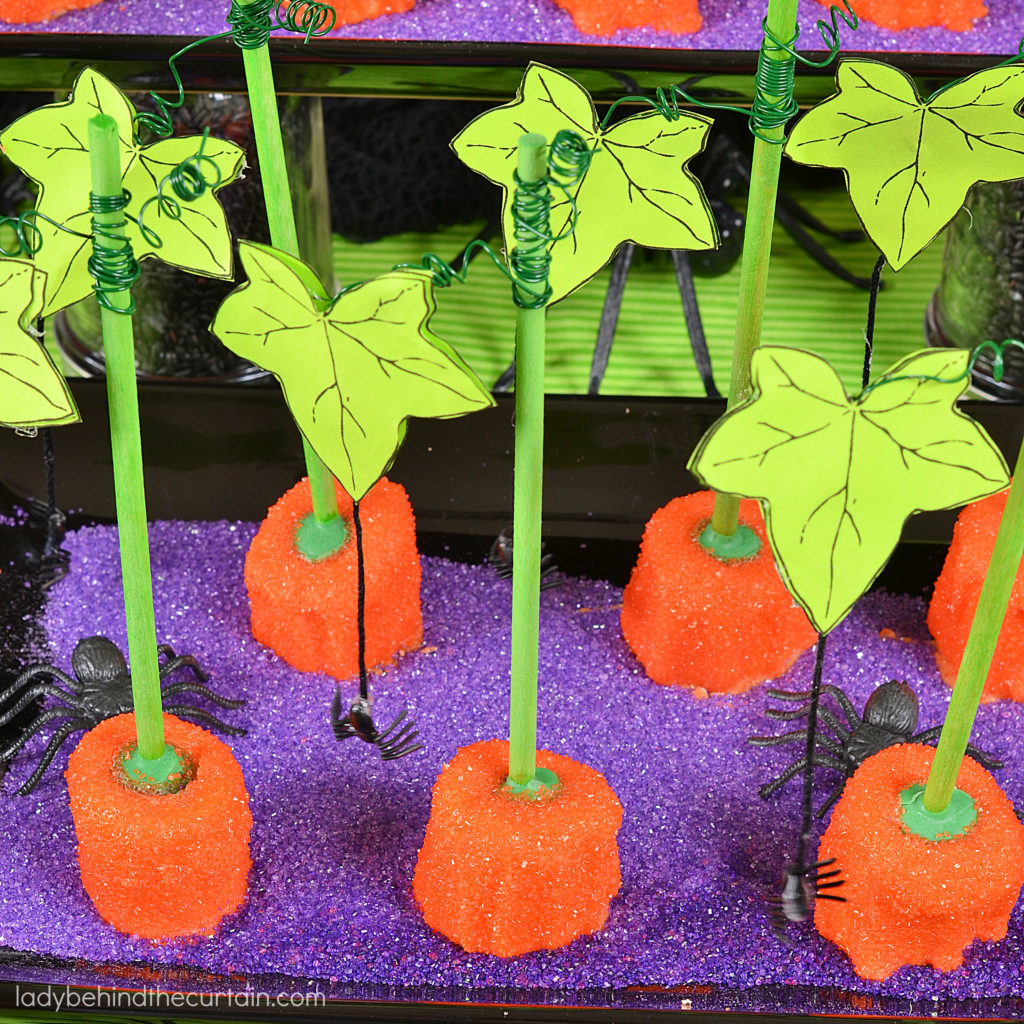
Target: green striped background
{"x":807,"y":307}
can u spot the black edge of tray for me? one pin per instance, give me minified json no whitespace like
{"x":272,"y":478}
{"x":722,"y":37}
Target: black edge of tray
{"x":457,"y":70}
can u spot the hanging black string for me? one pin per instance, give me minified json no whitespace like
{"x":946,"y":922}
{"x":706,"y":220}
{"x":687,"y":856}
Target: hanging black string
{"x":807,"y":811}
{"x":113,"y":269}
{"x":869,"y":330}
{"x":364,"y":690}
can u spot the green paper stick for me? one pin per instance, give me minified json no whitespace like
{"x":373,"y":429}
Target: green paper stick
{"x":266,"y":123}
{"x":757,"y":251}
{"x":531,"y":154}
{"x":981,"y":646}
{"x":126,"y":446}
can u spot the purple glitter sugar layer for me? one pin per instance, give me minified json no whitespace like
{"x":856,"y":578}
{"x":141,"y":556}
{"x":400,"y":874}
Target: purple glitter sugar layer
{"x":728,"y":25}
{"x":337,"y":830}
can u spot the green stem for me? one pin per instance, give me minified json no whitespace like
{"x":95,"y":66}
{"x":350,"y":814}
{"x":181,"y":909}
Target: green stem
{"x":981,"y":646}
{"x":126,"y":446}
{"x":526,"y":523}
{"x":757,"y":250}
{"x":266,"y":124}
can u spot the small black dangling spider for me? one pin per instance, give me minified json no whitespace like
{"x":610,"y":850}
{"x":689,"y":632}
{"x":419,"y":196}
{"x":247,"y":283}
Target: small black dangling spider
{"x":100,"y":688}
{"x":801,"y":886}
{"x":358,"y":721}
{"x":500,"y":558}
{"x":890,"y":718}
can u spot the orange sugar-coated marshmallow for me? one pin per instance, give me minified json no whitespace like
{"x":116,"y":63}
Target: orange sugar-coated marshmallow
{"x":160,"y":866}
{"x":29,"y":12}
{"x":306,"y":611}
{"x":693,"y":620}
{"x":955,"y":599}
{"x":957,"y":15}
{"x":910,"y":900}
{"x":507,"y":875}
{"x":606,"y":17}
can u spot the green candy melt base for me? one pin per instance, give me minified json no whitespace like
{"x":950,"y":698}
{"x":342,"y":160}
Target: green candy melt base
{"x":543,"y":784}
{"x":316,"y":540}
{"x":728,"y":547}
{"x":956,"y":820}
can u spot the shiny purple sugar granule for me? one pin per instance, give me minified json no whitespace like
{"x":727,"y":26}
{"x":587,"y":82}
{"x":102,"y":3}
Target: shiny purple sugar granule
{"x":337,"y":830}
{"x":728,"y":25}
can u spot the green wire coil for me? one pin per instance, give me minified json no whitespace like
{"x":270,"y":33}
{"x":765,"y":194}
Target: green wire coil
{"x":531,"y":263}
{"x":251,"y":25}
{"x":28,"y":237}
{"x":112,"y":269}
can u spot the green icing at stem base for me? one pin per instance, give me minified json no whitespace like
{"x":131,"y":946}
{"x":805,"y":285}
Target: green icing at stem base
{"x":543,"y":784}
{"x":166,"y":774}
{"x":316,"y":540}
{"x":730,"y":547}
{"x":956,"y":820}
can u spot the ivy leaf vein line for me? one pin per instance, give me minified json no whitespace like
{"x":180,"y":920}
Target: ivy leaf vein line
{"x":643,"y":192}
{"x":872,"y":87}
{"x":788,"y":438}
{"x":550,"y":100}
{"x":32,"y":387}
{"x":916,"y":451}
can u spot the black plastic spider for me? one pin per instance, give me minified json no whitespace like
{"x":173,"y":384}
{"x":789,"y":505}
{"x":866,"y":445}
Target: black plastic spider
{"x":358,"y":721}
{"x":100,"y":688}
{"x":801,"y":886}
{"x":501,"y":560}
{"x":890,"y":718}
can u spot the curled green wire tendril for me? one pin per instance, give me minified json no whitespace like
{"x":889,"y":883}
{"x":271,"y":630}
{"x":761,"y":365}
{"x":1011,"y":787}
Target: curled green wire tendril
{"x":998,"y":366}
{"x":187,"y":181}
{"x":774,"y":101}
{"x":112,"y":269}
{"x":569,"y":158}
{"x":251,"y":25}
{"x":27,"y":234}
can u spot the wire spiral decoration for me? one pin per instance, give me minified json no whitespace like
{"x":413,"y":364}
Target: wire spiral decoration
{"x":113,"y":268}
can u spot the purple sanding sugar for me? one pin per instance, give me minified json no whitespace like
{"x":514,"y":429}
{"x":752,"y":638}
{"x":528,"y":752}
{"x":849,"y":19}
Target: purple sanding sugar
{"x":337,"y":830}
{"x":728,"y":25}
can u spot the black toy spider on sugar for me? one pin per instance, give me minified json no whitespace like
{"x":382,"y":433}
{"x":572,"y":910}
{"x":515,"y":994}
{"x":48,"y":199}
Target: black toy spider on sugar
{"x":100,"y":688}
{"x":392,"y":742}
{"x":890,"y":718}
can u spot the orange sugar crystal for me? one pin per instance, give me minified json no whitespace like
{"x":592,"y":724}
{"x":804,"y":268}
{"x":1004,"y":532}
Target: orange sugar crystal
{"x":957,"y":15}
{"x":606,"y":17}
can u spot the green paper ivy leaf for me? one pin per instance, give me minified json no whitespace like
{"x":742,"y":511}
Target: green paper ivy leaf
{"x":354,"y":370}
{"x":637,"y":187}
{"x":910,"y":162}
{"x":50,"y":145}
{"x":33,"y":392}
{"x":839,"y":476}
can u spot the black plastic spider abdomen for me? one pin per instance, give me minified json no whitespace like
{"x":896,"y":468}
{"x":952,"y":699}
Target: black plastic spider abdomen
{"x":100,"y":688}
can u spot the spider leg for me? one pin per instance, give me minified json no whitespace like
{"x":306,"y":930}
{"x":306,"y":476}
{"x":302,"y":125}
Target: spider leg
{"x":198,"y":715}
{"x":47,"y":716}
{"x":39,"y":690}
{"x":50,"y":752}
{"x":40,"y":670}
{"x":215,"y":698}
{"x":177,"y":661}
{"x":394,"y":745}
{"x":984,"y":759}
{"x":816,"y":250}
{"x":340,"y":724}
{"x":819,"y":760}
{"x":391,"y":728}
{"x":825,"y":742}
{"x":841,"y":699}
{"x":805,"y":217}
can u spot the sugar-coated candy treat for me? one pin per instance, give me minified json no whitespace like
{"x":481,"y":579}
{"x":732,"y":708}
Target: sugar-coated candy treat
{"x":160,"y":866}
{"x":306,"y":611}
{"x":606,"y":17}
{"x":958,"y":15}
{"x":29,"y":12}
{"x":911,"y":900}
{"x":955,"y":599}
{"x":508,"y":875}
{"x":694,"y":620}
